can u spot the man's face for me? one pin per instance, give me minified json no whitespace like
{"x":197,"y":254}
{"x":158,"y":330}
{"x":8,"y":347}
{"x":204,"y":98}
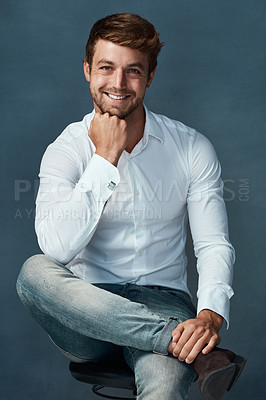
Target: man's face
{"x":118,"y":78}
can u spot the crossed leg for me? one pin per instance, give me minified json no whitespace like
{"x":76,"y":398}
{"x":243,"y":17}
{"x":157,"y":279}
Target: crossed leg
{"x":94,"y":323}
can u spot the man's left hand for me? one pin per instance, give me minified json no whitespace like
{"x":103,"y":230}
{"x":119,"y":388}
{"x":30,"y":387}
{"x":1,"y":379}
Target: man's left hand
{"x":195,"y":335}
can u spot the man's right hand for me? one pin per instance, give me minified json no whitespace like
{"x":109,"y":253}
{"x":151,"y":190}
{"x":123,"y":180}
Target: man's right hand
{"x":109,"y":135}
{"x":194,"y":335}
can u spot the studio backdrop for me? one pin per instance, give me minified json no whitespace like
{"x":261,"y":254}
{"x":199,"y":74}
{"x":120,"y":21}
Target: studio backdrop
{"x":210,"y":76}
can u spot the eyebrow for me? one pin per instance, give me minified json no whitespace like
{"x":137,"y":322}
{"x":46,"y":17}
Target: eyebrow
{"x":134,"y":64}
{"x":104,"y":61}
{"x":137,"y":64}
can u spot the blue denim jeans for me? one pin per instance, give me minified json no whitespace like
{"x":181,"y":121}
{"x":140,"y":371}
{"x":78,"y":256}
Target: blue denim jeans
{"x":102,"y":322}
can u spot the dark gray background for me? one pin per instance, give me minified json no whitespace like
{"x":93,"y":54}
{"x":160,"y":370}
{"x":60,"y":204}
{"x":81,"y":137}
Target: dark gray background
{"x":211,"y":76}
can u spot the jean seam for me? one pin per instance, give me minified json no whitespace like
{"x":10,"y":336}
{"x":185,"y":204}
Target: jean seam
{"x":124,"y":293}
{"x":134,"y":365}
{"x":67,"y":352}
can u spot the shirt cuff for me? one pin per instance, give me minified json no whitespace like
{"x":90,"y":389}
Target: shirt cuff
{"x":216,"y":299}
{"x":100,"y":177}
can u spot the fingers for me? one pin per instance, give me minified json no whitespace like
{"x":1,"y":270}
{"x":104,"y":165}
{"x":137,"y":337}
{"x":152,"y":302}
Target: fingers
{"x":212,"y":343}
{"x":184,"y":342}
{"x":192,"y":348}
{"x":190,"y":344}
{"x":192,"y":337}
{"x":109,"y":135}
{"x":177,"y":332}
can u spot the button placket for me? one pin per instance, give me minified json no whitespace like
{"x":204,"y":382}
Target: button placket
{"x":137,"y":265}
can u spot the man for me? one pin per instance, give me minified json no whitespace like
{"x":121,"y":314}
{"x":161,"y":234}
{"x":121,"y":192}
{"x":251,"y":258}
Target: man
{"x":115,"y":191}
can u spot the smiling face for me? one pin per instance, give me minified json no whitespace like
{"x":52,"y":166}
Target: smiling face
{"x":118,"y":79}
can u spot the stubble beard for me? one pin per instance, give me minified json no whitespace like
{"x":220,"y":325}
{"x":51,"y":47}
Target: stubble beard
{"x":97,"y":97}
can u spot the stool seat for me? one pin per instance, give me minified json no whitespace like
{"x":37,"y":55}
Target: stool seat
{"x":115,"y":375}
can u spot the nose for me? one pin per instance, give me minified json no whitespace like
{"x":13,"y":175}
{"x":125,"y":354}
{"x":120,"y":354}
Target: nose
{"x":120,"y":81}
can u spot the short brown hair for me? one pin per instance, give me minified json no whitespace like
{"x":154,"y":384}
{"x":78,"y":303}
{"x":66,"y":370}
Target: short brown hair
{"x":128,"y":30}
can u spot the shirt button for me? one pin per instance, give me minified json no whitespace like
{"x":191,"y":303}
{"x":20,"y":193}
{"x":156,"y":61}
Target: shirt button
{"x":139,"y":225}
{"x":139,"y":253}
{"x":136,"y":192}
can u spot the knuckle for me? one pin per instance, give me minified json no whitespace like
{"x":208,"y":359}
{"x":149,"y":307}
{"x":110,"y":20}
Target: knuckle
{"x":179,"y":327}
{"x":197,"y":350}
{"x":190,"y":327}
{"x":208,"y":332}
{"x":186,"y":348}
{"x":181,"y":344}
{"x":123,"y":123}
{"x":217,"y":338}
{"x":200,"y":331}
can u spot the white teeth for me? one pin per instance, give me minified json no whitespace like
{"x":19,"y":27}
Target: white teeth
{"x":116,"y":97}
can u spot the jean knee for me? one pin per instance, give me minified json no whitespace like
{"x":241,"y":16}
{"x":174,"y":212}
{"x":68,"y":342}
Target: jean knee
{"x":32,"y":272}
{"x":27,"y":271}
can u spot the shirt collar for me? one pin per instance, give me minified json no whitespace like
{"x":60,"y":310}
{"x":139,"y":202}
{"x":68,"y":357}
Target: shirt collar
{"x":152,"y":126}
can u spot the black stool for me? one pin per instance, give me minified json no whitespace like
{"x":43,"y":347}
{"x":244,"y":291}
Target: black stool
{"x":102,"y":375}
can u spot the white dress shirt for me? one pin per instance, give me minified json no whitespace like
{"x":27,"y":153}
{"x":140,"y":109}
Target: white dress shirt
{"x":129,"y":224}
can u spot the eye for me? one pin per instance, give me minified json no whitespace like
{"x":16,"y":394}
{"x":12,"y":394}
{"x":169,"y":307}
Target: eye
{"x":106,"y":68}
{"x":134,"y":71}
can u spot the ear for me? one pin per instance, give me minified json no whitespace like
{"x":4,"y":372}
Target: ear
{"x":150,"y":78}
{"x":87,"y":70}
